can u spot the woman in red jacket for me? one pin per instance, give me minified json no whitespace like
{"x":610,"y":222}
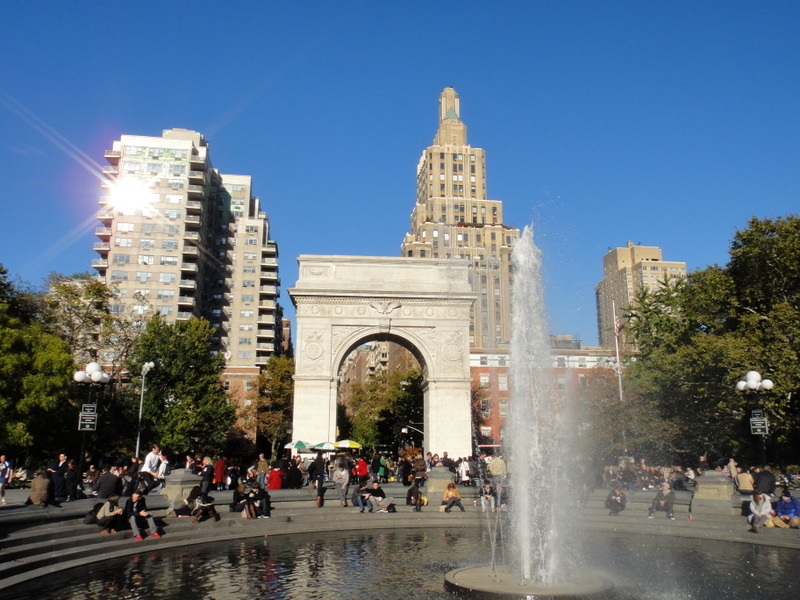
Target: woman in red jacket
{"x":275,"y":478}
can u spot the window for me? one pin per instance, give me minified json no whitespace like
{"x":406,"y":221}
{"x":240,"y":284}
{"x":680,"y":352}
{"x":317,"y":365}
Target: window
{"x":155,"y":152}
{"x":122,"y":259}
{"x":484,"y":361}
{"x":243,"y":354}
{"x":164,"y":310}
{"x":169,"y":260}
{"x":249,"y":269}
{"x":132,"y":150}
{"x":250,"y":255}
{"x":153,"y":167}
{"x":174,"y":198}
{"x":179,"y":154}
{"x":123,"y":242}
{"x":249,"y":283}
{"x":147,"y":244}
{"x":166,"y":277}
{"x":125,"y":226}
{"x":169,"y":244}
{"x":144,"y":276}
{"x":171,"y":229}
{"x":246,"y":327}
{"x":141,"y":309}
{"x":148,"y":228}
{"x":146,"y":259}
{"x":251,"y":228}
{"x":484,"y":380}
{"x":251,"y":242}
{"x":119,"y":276}
{"x":172,"y":213}
{"x":245,"y":341}
{"x":177,"y":169}
{"x":246,"y":313}
{"x":248,"y":298}
{"x":165,"y":294}
{"x":176,"y":184}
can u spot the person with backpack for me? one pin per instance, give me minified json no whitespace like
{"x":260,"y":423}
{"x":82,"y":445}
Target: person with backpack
{"x":109,"y":516}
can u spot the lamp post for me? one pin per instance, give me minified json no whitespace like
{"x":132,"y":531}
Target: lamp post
{"x":758,"y":421}
{"x":145,"y":370}
{"x":94,"y":377}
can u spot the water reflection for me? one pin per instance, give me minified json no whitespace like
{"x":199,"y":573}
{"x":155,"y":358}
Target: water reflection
{"x":411,"y":564}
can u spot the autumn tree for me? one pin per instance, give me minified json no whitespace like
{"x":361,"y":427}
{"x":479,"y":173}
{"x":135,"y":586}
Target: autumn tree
{"x":273,"y":400}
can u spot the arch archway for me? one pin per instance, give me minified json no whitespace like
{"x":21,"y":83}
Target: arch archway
{"x":423,"y":304}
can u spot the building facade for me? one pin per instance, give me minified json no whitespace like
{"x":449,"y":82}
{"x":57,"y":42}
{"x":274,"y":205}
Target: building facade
{"x":626,"y":271}
{"x":181,"y":239}
{"x":454,"y":219}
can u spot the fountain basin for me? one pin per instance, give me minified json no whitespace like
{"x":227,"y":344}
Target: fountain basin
{"x":504,"y":584}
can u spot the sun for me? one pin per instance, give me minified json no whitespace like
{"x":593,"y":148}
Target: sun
{"x":130,"y":194}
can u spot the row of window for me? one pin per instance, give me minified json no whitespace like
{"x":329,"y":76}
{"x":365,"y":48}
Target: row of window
{"x":143,"y":276}
{"x":155,"y":152}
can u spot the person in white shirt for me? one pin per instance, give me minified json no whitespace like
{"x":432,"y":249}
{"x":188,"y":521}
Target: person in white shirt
{"x":149,"y":469}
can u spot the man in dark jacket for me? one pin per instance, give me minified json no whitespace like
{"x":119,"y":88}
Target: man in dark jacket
{"x":107,"y":485}
{"x":137,"y":514}
{"x":766,"y":482}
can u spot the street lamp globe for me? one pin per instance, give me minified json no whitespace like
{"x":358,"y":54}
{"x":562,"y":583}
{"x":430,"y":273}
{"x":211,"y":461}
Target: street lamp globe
{"x":94,"y":367}
{"x":767,"y":384}
{"x":741,"y":386}
{"x":81,"y":377}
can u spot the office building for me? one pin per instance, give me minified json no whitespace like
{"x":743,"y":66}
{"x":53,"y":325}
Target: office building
{"x":453,"y":218}
{"x":626,"y":271}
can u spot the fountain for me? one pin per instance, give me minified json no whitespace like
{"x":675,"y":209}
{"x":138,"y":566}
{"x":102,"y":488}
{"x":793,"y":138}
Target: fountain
{"x":537,"y":435}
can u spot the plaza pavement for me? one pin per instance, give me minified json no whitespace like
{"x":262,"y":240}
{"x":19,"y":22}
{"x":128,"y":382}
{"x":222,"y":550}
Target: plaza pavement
{"x":35,"y":542}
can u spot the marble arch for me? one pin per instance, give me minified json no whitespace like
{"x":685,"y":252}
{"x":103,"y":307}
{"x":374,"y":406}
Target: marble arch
{"x":424,"y":304}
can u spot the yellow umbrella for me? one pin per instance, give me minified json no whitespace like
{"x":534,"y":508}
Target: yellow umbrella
{"x":348,"y":444}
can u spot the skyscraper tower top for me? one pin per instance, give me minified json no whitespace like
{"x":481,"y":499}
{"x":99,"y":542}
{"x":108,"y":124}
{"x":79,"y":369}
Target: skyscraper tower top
{"x":454,"y":219}
{"x":451,"y":129}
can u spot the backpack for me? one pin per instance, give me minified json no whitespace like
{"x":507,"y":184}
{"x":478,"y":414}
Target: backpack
{"x":91,"y":517}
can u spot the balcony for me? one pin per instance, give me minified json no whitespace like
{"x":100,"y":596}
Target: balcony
{"x":110,"y":170}
{"x":266,"y":320}
{"x":188,"y":283}
{"x":103,"y":232}
{"x":191,"y":267}
{"x":112,"y":156}
{"x":183,"y":315}
{"x":195,"y":190}
{"x":269,"y":304}
{"x":100,"y":263}
{"x":197,"y":162}
{"x":194,"y":206}
{"x":105,"y":215}
{"x":191,"y":235}
{"x":269,"y":262}
{"x":196,"y":175}
{"x":104,"y":200}
{"x":101,"y":246}
{"x":268,"y":289}
{"x":261,"y":360}
{"x":266,"y":333}
{"x":192,"y":219}
{"x":186,"y":300}
{"x":190,"y":250}
{"x":267,"y":347}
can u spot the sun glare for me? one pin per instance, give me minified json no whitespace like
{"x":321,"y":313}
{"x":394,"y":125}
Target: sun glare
{"x":130,"y":194}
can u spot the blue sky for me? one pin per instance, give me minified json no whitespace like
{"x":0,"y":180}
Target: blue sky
{"x":664,"y":123}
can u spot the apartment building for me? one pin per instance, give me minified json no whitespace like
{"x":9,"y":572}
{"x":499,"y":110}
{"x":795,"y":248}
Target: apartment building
{"x":181,"y":239}
{"x":453,"y":218}
{"x":626,"y":271}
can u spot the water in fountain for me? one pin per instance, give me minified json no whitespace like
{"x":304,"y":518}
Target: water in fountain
{"x":535,"y":427}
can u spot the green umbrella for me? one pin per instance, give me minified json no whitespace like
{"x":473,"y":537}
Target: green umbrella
{"x":298,"y":445}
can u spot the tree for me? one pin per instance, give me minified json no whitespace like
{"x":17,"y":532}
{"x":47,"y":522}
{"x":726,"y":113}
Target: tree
{"x":186,"y":407}
{"x":274,"y":397}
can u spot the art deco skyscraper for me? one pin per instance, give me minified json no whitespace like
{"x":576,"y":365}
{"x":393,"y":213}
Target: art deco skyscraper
{"x":181,"y":239}
{"x":453,"y":218}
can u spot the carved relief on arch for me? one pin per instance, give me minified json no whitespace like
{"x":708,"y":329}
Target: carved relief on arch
{"x":453,"y":352}
{"x":313,"y":350}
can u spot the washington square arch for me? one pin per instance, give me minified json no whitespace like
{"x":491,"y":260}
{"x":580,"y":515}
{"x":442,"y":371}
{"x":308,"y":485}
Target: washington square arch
{"x":422,"y":304}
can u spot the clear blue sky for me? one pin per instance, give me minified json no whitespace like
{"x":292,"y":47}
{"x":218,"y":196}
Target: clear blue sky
{"x":665,"y":123}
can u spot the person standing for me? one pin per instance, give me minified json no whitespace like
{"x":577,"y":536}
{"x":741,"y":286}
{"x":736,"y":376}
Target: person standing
{"x":57,"y":470}
{"x":497,"y":469}
{"x":220,"y":473}
{"x":6,"y":473}
{"x":316,"y":474}
{"x":206,"y":476}
{"x":262,"y":470}
{"x":149,"y":469}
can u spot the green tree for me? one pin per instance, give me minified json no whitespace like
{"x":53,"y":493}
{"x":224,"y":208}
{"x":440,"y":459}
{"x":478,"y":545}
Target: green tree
{"x":274,"y":396}
{"x":186,"y":407}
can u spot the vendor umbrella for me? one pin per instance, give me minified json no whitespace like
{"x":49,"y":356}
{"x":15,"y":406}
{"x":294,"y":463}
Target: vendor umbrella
{"x":298,"y":445}
{"x":348,"y":444}
{"x":325,"y":447}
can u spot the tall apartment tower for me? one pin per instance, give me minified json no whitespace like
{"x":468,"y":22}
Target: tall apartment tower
{"x":625,"y":271}
{"x":453,"y":218}
{"x":181,"y":239}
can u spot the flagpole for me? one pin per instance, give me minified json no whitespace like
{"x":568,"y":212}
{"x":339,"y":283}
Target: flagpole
{"x":618,"y":368}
